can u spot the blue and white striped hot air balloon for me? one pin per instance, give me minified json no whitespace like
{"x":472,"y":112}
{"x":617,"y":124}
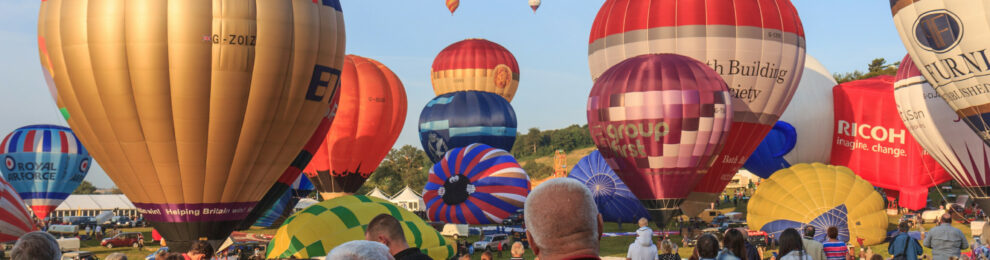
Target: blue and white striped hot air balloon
{"x":461,"y":118}
{"x":615,"y":201}
{"x":44,"y":163}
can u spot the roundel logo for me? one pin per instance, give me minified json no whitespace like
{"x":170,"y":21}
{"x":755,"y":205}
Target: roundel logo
{"x":9,"y":163}
{"x":938,"y":30}
{"x":84,"y":165}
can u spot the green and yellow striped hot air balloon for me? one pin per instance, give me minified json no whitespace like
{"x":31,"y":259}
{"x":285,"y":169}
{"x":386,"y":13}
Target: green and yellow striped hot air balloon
{"x":316,"y":230}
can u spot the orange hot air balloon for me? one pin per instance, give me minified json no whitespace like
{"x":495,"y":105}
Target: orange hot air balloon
{"x":194,"y":108}
{"x":478,"y":65}
{"x":370,"y":115}
{"x":452,"y":5}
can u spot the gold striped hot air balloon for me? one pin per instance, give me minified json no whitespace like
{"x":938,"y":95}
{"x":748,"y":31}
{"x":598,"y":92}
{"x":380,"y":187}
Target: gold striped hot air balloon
{"x":452,"y":5}
{"x":194,"y":108}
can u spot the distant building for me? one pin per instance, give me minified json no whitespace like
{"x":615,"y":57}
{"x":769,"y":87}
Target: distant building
{"x":409,"y":200}
{"x":742,"y":179}
{"x":93,"y":204}
{"x":377,"y":193}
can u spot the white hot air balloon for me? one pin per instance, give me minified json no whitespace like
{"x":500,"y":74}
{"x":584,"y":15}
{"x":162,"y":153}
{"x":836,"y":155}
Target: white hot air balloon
{"x":941,"y":133}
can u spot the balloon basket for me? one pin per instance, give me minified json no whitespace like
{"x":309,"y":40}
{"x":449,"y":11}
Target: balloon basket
{"x":663,"y":211}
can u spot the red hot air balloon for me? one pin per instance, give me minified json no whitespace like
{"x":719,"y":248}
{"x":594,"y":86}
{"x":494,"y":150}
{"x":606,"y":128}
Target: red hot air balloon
{"x":452,"y":5}
{"x":369,"y":118}
{"x":871,"y":139}
{"x":658,"y":120}
{"x":757,"y":46}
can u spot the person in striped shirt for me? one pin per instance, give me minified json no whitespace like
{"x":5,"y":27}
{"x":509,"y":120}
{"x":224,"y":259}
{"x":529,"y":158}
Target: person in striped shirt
{"x":834,"y":248}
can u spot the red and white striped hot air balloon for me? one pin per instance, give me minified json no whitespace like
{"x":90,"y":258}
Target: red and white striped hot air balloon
{"x":478,"y":65}
{"x":15,"y":219}
{"x":757,"y":46}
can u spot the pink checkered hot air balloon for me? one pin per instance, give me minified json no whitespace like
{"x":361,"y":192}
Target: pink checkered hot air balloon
{"x":757,"y":46}
{"x":659,"y":120}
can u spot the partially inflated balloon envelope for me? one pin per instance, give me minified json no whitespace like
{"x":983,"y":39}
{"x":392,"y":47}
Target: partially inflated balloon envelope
{"x":615,"y":201}
{"x":193,"y":108}
{"x":313,"y":232}
{"x":948,"y":38}
{"x":475,"y":65}
{"x":871,"y":139}
{"x":659,"y":120}
{"x":461,"y":118}
{"x":534,"y":4}
{"x":757,"y":46}
{"x":15,"y":219}
{"x":452,"y":5}
{"x":370,"y":115}
{"x":821,"y":196}
{"x":477,"y":184}
{"x":804,"y":132}
{"x":281,"y":209}
{"x":44,"y":163}
{"x":941,"y":132}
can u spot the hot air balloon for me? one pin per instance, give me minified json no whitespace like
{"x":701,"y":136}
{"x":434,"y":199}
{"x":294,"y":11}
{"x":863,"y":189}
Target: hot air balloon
{"x":478,"y":65}
{"x":291,"y":174}
{"x":615,"y":201}
{"x":948,"y":39}
{"x":477,"y":184}
{"x":757,"y":46}
{"x":319,"y":228}
{"x":939,"y":130}
{"x":461,"y":118}
{"x":452,"y":5}
{"x":534,"y":4}
{"x":803,"y":133}
{"x":370,"y":116}
{"x":15,"y":219}
{"x":44,"y":163}
{"x":821,"y":196}
{"x":659,"y":120}
{"x":193,"y":108}
{"x":871,"y":139}
{"x":281,"y":209}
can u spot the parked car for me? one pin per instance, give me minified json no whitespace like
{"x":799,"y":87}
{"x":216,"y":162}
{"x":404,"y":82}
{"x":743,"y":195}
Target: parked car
{"x":120,"y":221}
{"x":82,"y":221}
{"x":690,"y":242}
{"x":758,"y":238}
{"x":63,"y":230}
{"x":68,"y":244}
{"x":456,"y":231}
{"x":79,"y":255}
{"x":516,"y":219}
{"x":133,"y":239}
{"x":491,"y":242}
{"x":909,"y":218}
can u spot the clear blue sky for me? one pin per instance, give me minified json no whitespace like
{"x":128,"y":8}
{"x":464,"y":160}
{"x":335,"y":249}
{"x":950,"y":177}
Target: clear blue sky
{"x":551,"y":47}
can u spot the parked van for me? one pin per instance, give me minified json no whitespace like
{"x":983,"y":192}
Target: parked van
{"x":455,"y":230}
{"x":931,"y":216}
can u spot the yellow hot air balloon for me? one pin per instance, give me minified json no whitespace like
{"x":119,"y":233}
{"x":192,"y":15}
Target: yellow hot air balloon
{"x":821,"y":196}
{"x":194,"y":108}
{"x":319,"y":228}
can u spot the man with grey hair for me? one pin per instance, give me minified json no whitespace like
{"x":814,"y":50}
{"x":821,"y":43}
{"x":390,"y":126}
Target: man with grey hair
{"x":562,"y":221}
{"x":36,"y":245}
{"x":360,"y":250}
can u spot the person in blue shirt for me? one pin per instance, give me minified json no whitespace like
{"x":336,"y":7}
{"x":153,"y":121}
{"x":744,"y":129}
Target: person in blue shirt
{"x":904,"y":245}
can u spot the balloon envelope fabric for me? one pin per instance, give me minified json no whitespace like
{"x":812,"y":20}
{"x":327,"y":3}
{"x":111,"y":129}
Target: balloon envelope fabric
{"x":461,"y":118}
{"x":15,"y":219}
{"x":615,"y":201}
{"x":477,"y":184}
{"x":819,"y":195}
{"x":44,"y":163}
{"x":275,"y":215}
{"x":319,"y":228}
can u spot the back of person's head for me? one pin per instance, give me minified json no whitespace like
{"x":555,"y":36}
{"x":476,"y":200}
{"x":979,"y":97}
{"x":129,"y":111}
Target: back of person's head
{"x":643,"y":222}
{"x":707,"y":246}
{"x":904,"y":226}
{"x":876,"y":257}
{"x":517,"y":249}
{"x":202,"y":247}
{"x":174,"y":256}
{"x":116,"y":256}
{"x":386,"y":226}
{"x":946,"y":218}
{"x":790,"y":240}
{"x":832,"y":232}
{"x":666,"y":246}
{"x":735,"y":242}
{"x":465,"y":257}
{"x":486,"y":255}
{"x":36,"y":245}
{"x":360,"y":250}
{"x":809,"y":231}
{"x":561,"y":218}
